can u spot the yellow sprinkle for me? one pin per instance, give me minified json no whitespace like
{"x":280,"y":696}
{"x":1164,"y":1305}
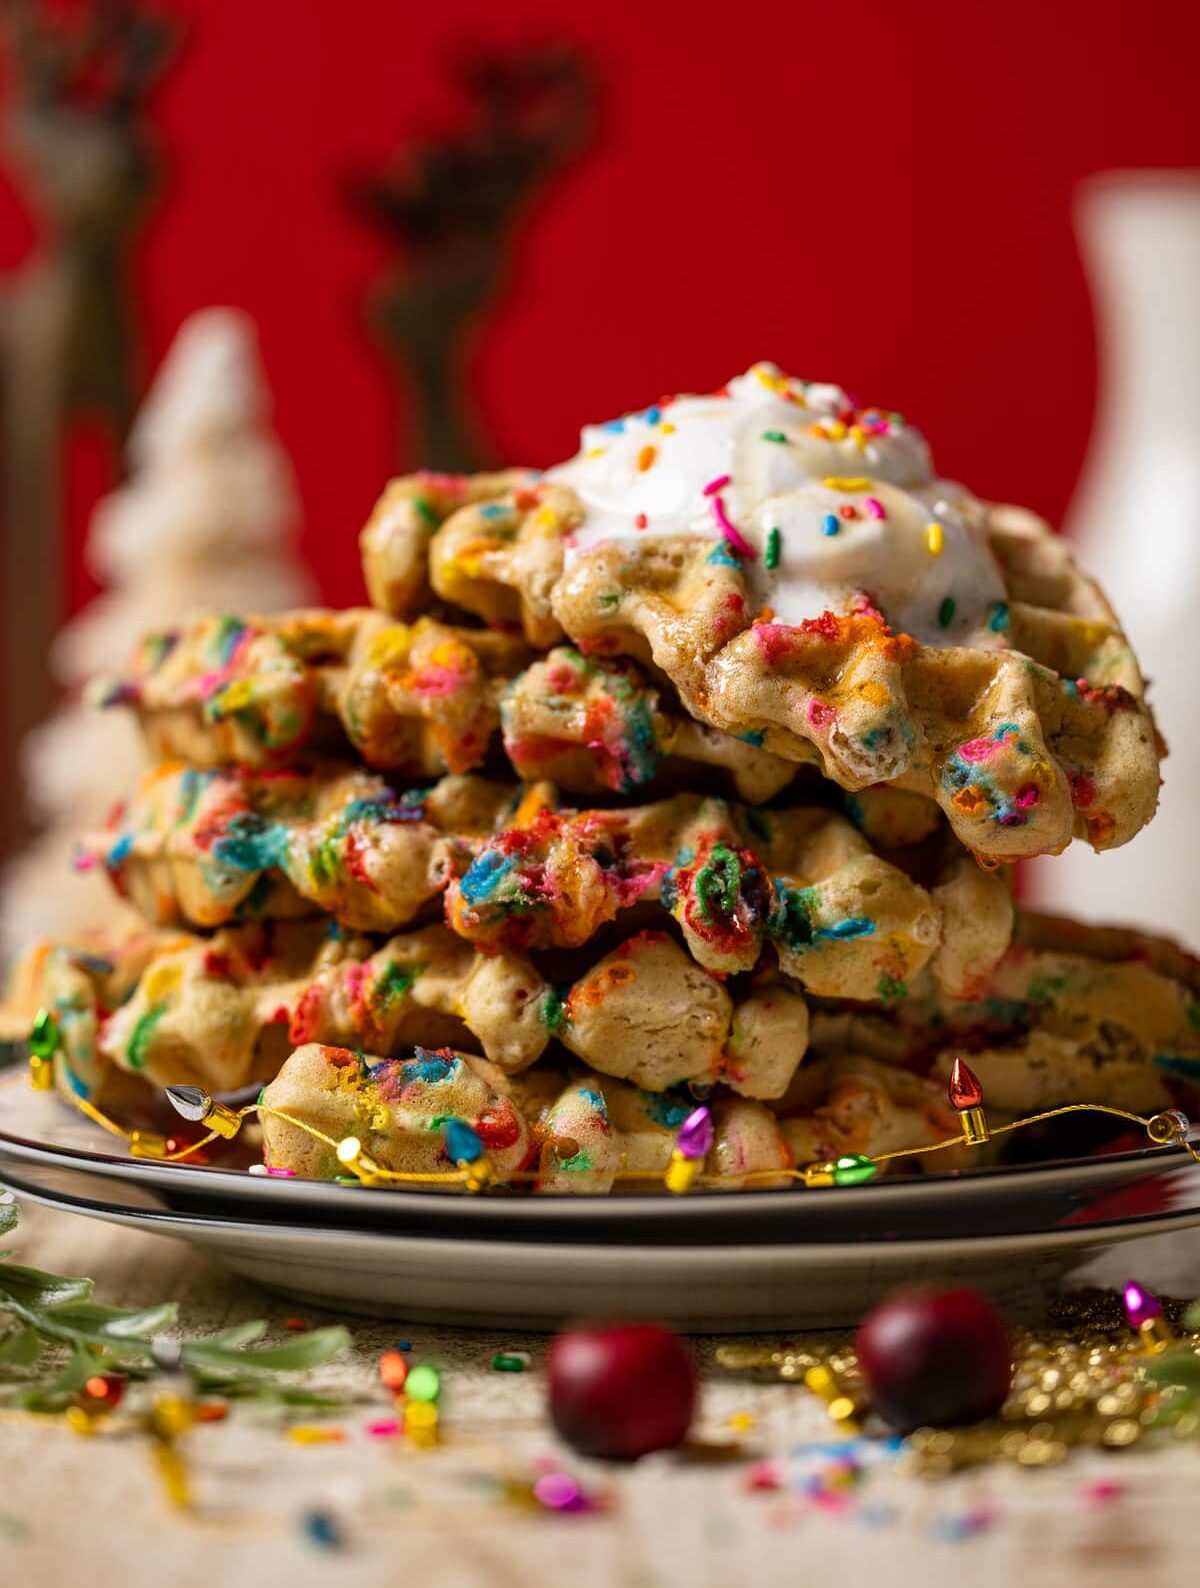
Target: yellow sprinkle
{"x":420,"y":1414}
{"x":645,"y":458}
{"x":742,"y":1421}
{"x":667,"y":429}
{"x":595,"y":452}
{"x":309,"y":1434}
{"x":859,"y":437}
{"x":935,"y":538}
{"x":835,"y":430}
{"x":546,"y":518}
{"x":835,"y":482}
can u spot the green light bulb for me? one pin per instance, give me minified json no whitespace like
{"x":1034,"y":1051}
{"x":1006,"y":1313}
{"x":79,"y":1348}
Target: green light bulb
{"x":852,"y":1168}
{"x":43,"y":1036}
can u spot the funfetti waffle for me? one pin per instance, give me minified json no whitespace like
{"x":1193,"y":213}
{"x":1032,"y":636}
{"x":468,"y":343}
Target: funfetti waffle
{"x":793,"y":566}
{"x":207,"y":847}
{"x":264,"y":692}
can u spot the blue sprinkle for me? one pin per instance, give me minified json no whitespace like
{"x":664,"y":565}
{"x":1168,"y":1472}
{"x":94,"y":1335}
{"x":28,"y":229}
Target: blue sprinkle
{"x":120,"y":849}
{"x":615,"y":427}
{"x":1174,"y":1064}
{"x":321,"y":1530}
{"x":427,"y":1066}
{"x":998,"y":617}
{"x":852,"y":926}
{"x":830,"y":524}
{"x":494,"y":510}
{"x":462,"y":1142}
{"x":484,"y":875}
{"x":653,"y":415}
{"x":723,"y":556}
{"x":756,"y":736}
{"x":403,"y":1345}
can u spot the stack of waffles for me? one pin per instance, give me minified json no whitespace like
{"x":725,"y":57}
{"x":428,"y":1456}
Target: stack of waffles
{"x":692,"y":768}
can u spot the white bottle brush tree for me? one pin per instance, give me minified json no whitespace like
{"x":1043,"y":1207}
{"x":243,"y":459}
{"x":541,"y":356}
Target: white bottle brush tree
{"x":205,"y":523}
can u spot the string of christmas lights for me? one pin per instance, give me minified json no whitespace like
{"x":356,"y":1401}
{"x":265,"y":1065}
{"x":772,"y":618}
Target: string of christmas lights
{"x":474,"y":1171}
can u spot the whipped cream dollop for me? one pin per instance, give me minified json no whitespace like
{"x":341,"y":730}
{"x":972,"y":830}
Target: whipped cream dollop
{"x":825,"y":505}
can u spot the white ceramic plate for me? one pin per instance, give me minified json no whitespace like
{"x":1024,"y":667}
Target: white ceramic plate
{"x":714,"y":1261}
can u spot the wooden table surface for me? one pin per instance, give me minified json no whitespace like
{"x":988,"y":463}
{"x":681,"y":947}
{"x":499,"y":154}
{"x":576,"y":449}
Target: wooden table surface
{"x":91,"y":1512}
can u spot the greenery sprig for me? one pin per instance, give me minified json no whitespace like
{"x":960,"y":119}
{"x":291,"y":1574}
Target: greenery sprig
{"x":54,"y":1338}
{"x":1179,"y":1371}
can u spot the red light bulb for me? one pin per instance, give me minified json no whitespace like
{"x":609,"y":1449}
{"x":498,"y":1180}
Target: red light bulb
{"x":964,"y":1088}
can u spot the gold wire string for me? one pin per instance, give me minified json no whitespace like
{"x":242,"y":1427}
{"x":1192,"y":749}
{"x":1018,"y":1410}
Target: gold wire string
{"x":368,"y":1170}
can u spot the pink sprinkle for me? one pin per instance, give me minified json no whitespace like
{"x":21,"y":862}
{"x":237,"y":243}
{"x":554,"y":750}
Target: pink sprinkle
{"x":718,"y":484}
{"x":1027,"y":796}
{"x":874,"y":507}
{"x":281,"y":1174}
{"x":1103,"y":1491}
{"x":976,"y":749}
{"x":819,"y":714}
{"x":81,"y":860}
{"x":764,"y":1475}
{"x":557,"y":1492}
{"x":731,"y":532}
{"x":388,"y":1428}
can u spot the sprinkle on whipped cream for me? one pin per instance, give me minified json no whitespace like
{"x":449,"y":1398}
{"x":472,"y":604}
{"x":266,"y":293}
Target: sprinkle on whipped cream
{"x":820,"y":502}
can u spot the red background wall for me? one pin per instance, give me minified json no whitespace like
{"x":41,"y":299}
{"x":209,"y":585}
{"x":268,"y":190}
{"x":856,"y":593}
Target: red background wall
{"x":873,"y":193}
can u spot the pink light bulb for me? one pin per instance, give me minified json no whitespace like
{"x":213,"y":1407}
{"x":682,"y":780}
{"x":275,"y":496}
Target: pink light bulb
{"x":1141,"y":1305}
{"x":695,"y":1137}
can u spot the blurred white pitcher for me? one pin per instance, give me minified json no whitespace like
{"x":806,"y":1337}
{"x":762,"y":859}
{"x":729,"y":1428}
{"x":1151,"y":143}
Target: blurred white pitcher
{"x":1136,"y":521}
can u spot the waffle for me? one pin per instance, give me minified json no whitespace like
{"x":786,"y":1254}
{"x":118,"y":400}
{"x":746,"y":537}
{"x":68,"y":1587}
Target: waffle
{"x":395,"y":539}
{"x":215,"y":1011}
{"x":843,"y":921}
{"x":585,"y":1133}
{"x":903,"y":632}
{"x":420,"y":698}
{"x":397,"y":1108}
{"x":576,"y":1138}
{"x":591,"y":724}
{"x":1068,"y":1014}
{"x":210,"y":847}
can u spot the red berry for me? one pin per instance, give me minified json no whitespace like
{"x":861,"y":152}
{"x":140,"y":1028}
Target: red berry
{"x":619,"y":1391}
{"x":935,"y":1356}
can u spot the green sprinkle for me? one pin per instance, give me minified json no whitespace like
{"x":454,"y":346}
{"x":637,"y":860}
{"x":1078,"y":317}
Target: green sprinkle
{"x":946,"y":612}
{"x":509,"y":1362}
{"x":891,"y":987}
{"x":551,"y":1010}
{"x":423,"y":510}
{"x":774,"y":435}
{"x":771,"y":558}
{"x":423,"y":1384}
{"x":610,"y":599}
{"x":137,"y":1052}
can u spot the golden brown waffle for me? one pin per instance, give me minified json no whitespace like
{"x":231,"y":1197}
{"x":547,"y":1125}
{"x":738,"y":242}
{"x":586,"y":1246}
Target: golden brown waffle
{"x":1068,"y":1014}
{"x":1042,"y":734}
{"x":395,"y":539}
{"x":591,"y":1132}
{"x":418,"y":699}
{"x":843,"y":921}
{"x":590,"y":724}
{"x":214,"y":846}
{"x":214,"y":1011}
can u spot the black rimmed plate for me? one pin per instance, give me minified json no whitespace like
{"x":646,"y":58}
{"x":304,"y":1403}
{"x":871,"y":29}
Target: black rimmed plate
{"x":710,"y":1260}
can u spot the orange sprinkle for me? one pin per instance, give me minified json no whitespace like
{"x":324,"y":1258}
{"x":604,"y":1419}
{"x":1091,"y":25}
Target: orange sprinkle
{"x":210,"y":1412}
{"x":295,"y":1324}
{"x":764,"y":615}
{"x":645,"y":458}
{"x":968,"y":800}
{"x":393,"y":1370}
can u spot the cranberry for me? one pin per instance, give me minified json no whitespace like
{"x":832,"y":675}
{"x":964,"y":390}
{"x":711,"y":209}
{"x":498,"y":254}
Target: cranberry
{"x":935,"y":1356}
{"x":619,"y":1391}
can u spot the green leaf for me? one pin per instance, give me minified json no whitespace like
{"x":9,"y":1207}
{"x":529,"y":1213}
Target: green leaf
{"x":311,"y":1349}
{"x":236,"y":1334}
{"x":1191,"y":1318}
{"x":32,"y":1287}
{"x":20,"y":1347}
{"x":8,"y":1217}
{"x":1180,"y":1368}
